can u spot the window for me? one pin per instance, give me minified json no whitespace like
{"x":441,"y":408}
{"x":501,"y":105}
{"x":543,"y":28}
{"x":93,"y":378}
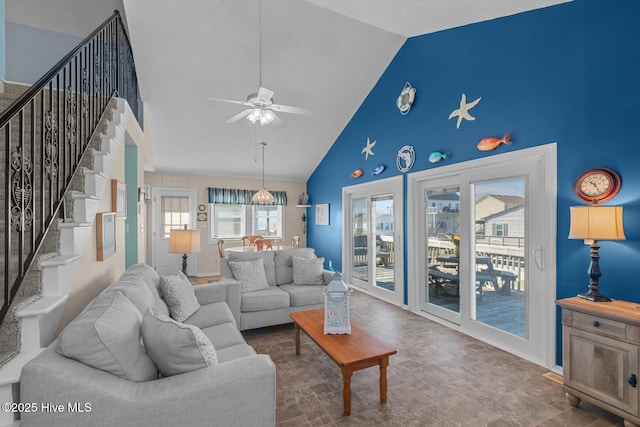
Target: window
{"x":500,"y":230}
{"x":227,"y":221}
{"x":266,"y":220}
{"x":235,"y":221}
{"x":174,"y":214}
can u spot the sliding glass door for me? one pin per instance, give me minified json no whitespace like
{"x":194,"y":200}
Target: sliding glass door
{"x":483,"y":230}
{"x":372,"y":256}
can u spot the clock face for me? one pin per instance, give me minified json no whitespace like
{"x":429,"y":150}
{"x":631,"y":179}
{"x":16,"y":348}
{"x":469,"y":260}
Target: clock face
{"x":597,"y":185}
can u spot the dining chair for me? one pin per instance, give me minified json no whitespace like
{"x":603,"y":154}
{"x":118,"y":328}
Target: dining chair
{"x":249,"y":240}
{"x":295,"y":242}
{"x":220,"y":248}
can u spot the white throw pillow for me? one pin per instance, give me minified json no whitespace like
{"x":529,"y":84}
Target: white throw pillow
{"x":106,"y":336}
{"x":179,"y":295}
{"x":307,"y":271}
{"x":250,"y":274}
{"x":176,"y":347}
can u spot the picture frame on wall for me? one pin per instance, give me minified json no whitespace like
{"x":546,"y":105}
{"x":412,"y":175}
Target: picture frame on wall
{"x":105,"y":235}
{"x":322,"y":214}
{"x":119,"y":198}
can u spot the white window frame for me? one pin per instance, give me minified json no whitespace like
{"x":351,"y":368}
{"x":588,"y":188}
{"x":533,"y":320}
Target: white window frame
{"x":248,"y":222}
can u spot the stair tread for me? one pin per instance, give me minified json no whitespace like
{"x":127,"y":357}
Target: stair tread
{"x":44,"y":305}
{"x":95,"y":172}
{"x":78,"y":195}
{"x":74,"y":224}
{"x":60,"y":260}
{"x":10,"y":371}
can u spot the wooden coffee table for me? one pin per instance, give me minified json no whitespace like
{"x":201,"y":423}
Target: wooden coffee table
{"x":351,"y":353}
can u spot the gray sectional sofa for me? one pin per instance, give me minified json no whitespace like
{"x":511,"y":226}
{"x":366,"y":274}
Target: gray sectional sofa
{"x":133,"y":393}
{"x":271,"y":306}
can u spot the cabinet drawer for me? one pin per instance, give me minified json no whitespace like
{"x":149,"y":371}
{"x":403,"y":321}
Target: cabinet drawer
{"x":603,"y":326}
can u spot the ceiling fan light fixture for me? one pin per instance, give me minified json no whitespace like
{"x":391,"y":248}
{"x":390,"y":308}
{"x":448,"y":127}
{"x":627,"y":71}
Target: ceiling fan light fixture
{"x":268,"y":115}
{"x":254,"y":115}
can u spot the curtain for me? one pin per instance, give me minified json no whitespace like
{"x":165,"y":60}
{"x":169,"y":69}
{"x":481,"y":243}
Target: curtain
{"x":232,"y":196}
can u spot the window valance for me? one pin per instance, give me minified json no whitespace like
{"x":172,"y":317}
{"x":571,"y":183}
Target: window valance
{"x":232,"y":196}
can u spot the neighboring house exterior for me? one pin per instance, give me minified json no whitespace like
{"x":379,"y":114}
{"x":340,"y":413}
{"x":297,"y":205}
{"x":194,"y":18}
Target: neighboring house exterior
{"x":493,"y":203}
{"x":508,"y":223}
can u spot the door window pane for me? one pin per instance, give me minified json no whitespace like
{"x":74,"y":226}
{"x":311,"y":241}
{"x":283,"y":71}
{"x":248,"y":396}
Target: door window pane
{"x":443,"y":247}
{"x":382,"y":209}
{"x":174,"y":214}
{"x":360,"y":229}
{"x":500,"y":233}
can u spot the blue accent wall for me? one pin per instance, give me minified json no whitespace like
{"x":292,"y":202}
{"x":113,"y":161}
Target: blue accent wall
{"x":568,"y":74}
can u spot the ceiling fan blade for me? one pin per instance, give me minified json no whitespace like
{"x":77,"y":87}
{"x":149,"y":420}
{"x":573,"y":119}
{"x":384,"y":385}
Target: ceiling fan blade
{"x":277,"y":122}
{"x":239,"y":116}
{"x":290,"y":109}
{"x":231,"y":101}
{"x":265,"y":95}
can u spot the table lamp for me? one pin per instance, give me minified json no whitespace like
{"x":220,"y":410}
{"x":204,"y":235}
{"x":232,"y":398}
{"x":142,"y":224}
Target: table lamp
{"x":184,"y":242}
{"x":596,"y":223}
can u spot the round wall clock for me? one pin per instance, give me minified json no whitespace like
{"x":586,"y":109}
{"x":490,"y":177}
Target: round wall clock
{"x":597,"y":185}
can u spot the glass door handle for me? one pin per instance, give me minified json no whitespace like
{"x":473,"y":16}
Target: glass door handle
{"x":538,"y":258}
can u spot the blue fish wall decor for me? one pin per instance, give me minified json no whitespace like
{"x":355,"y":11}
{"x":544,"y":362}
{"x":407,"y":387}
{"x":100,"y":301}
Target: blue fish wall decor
{"x":378,"y":170}
{"x":437,"y":156}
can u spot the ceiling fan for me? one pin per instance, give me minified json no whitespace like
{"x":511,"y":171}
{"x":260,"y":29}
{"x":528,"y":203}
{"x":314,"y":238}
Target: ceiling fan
{"x":261,"y":108}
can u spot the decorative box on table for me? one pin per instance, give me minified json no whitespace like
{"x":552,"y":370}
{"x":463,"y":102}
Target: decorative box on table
{"x":336,"y":307}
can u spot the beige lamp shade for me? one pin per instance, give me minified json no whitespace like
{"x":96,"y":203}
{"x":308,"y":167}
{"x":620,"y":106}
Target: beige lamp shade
{"x":596,"y":223}
{"x":184,"y":241}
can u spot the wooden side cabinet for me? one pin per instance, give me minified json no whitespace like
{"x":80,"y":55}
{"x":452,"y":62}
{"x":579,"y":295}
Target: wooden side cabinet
{"x":601,"y":349}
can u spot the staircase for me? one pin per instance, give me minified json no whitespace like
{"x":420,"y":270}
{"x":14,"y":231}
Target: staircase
{"x":37,"y":316}
{"x":58,"y":142}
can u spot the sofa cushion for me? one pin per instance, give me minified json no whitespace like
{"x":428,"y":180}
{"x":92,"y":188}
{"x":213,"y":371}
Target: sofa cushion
{"x":224,"y":336}
{"x":250,"y":274}
{"x":235,"y":352}
{"x":301,"y":296}
{"x":179,"y":295}
{"x":284,"y":265}
{"x":136,"y":291}
{"x":106,"y":336}
{"x":266,"y":299}
{"x":267,"y":259}
{"x":211,"y":315}
{"x":152,"y":279}
{"x":307,"y":271}
{"x":176,"y":347}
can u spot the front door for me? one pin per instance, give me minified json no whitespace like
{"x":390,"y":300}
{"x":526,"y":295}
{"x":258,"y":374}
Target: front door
{"x":172,"y":209}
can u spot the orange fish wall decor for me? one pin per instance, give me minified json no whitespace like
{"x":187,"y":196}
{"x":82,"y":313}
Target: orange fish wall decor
{"x":488,"y":144}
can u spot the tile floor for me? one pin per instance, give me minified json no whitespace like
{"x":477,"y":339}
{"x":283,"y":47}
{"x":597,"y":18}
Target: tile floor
{"x":439,"y":377}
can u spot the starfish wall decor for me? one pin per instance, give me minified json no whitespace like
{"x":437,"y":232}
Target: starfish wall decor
{"x":463,"y":111}
{"x":368,"y":150}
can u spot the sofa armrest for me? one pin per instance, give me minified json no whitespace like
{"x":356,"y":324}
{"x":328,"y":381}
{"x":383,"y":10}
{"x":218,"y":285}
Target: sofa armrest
{"x":224,"y":290}
{"x":201,"y":397}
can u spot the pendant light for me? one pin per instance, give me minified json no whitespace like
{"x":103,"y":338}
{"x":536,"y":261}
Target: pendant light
{"x":263,"y":197}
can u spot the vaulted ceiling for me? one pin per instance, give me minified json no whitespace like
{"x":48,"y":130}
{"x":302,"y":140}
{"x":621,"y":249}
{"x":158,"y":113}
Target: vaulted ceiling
{"x":323,"y":55}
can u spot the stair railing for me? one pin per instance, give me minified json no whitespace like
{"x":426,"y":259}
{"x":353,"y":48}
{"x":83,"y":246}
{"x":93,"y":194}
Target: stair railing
{"x":45,"y":133}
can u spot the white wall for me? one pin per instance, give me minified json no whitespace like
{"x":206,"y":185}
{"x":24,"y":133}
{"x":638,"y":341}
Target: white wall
{"x":208,"y":259}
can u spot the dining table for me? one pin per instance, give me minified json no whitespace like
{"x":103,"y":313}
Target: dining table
{"x":253,"y":248}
